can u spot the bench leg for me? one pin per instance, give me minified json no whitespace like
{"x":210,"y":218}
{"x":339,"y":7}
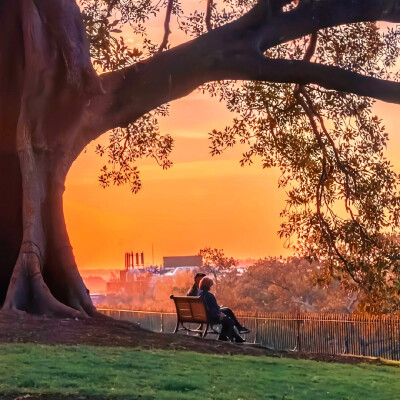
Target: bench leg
{"x":200,"y":328}
{"x":205,"y":331}
{"x":177,"y":326}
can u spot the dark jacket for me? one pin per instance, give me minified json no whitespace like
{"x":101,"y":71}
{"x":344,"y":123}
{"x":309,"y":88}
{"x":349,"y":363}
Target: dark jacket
{"x":193,"y":291}
{"x":212,"y":305}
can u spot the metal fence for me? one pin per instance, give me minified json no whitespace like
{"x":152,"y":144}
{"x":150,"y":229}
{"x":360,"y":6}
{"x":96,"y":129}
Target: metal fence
{"x":312,"y":333}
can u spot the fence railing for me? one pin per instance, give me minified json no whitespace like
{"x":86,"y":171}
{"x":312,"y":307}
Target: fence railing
{"x":312,"y":333}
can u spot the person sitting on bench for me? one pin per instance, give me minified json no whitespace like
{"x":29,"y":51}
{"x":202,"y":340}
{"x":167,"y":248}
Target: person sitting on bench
{"x":195,"y":289}
{"x":221,"y":315}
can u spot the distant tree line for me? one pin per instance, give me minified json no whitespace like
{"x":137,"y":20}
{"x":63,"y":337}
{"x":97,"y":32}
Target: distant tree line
{"x":291,"y":284}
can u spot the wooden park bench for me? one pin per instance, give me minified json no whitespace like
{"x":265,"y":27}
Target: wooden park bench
{"x":192,"y":309}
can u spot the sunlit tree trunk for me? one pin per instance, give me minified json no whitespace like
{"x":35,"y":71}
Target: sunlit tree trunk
{"x":46,"y":83}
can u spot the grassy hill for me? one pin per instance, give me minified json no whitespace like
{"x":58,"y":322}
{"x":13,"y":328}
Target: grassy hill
{"x":125,"y":373}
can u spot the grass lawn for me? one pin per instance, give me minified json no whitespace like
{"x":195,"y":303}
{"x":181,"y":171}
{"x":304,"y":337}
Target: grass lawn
{"x":123,"y":373}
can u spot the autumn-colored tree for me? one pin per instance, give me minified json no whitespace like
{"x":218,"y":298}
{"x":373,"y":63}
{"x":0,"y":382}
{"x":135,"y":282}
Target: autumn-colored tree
{"x":285,"y":285}
{"x":215,"y":262}
{"x":311,"y":69}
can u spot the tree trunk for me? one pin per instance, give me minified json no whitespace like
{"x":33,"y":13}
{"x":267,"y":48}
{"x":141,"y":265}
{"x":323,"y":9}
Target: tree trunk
{"x":46,"y":80}
{"x":61,"y":272}
{"x":45,"y":278}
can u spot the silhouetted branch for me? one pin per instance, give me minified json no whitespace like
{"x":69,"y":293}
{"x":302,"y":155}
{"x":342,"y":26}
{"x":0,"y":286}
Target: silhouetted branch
{"x":311,"y":47}
{"x":329,"y":77}
{"x":167,"y":29}
{"x":233,"y":51}
{"x":312,"y":15}
{"x":208,"y":15}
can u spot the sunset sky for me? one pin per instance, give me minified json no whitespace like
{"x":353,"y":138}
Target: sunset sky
{"x":200,"y":201}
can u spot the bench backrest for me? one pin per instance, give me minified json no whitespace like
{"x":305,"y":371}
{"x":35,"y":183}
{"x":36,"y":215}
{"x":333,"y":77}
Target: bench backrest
{"x":190,"y":308}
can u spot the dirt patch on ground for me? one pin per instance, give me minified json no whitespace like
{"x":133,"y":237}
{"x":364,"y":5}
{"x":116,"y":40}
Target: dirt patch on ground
{"x":18,"y":328}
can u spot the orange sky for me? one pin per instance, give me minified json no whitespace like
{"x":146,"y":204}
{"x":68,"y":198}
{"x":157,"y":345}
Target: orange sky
{"x":201,"y":201}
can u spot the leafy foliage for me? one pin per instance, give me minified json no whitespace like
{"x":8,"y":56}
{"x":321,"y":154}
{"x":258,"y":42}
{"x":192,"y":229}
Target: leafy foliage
{"x":139,"y":139}
{"x":104,"y":23}
{"x":285,"y":285}
{"x":215,"y":261}
{"x":343,"y":203}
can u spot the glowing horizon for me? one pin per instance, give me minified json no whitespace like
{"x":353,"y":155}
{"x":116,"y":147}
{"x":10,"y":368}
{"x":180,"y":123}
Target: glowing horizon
{"x":201,"y":201}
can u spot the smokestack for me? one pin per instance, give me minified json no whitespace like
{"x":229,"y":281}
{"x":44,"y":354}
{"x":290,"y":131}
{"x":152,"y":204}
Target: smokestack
{"x":142,"y":258}
{"x":137,"y":259}
{"x":131,"y":263}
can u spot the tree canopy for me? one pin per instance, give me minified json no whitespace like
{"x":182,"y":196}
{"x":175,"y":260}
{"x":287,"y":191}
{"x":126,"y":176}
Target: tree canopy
{"x":305,"y":106}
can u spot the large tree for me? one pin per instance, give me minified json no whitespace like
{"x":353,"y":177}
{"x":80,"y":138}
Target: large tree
{"x":302,"y":58}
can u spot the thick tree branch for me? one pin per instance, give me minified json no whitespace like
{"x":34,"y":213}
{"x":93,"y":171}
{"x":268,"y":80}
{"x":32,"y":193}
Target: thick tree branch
{"x":167,"y":29}
{"x":233,"y":51}
{"x":329,"y":77}
{"x":208,"y":15}
{"x":311,"y":47}
{"x":312,"y":15}
{"x":136,"y":90}
{"x":175,"y":73}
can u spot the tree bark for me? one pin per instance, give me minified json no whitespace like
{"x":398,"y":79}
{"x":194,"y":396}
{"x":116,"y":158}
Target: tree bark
{"x":46,"y":82}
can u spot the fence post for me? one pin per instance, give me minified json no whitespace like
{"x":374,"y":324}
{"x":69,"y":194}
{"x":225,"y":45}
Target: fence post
{"x":298,"y":335}
{"x":162,"y":325}
{"x":256,"y":336}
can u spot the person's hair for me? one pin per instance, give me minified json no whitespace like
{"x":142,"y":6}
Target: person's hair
{"x":199,"y":275}
{"x":206,"y":283}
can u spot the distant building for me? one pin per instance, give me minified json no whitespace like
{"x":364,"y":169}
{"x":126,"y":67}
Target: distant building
{"x":137,"y":279}
{"x":177,"y":270}
{"x":183,"y":261}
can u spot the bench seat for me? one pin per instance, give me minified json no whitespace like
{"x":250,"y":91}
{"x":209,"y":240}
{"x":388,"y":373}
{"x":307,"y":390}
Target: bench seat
{"x":192,"y":309}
